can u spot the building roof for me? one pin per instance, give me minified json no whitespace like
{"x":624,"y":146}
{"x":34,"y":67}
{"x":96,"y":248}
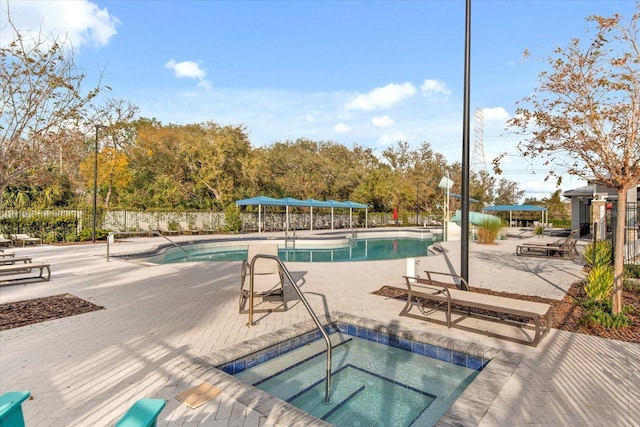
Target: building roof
{"x":514,"y":208}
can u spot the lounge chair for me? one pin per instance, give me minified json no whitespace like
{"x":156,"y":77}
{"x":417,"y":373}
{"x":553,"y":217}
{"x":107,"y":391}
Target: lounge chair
{"x":5,"y":241}
{"x":143,"y":413}
{"x":185,"y":229}
{"x":26,"y":239}
{"x":454,"y":296}
{"x":164,"y":229}
{"x":15,"y":273}
{"x":203,"y":228}
{"x":565,"y":247}
{"x":268,"y":290}
{"x":144,"y":228}
{"x":559,"y":242}
{"x":10,"y":260}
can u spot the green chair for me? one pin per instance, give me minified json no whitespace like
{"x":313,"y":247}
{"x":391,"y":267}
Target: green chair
{"x":143,"y":413}
{"x":11,"y":408}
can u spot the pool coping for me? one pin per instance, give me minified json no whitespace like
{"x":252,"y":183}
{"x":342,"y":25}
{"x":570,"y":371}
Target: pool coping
{"x":338,"y":237}
{"x":468,"y":409}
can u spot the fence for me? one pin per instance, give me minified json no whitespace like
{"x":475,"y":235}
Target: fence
{"x":632,"y":232}
{"x":55,"y":225}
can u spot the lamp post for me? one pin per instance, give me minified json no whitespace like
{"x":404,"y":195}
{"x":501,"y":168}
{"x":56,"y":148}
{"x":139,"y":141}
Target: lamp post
{"x":95,"y":185}
{"x":417,"y":204}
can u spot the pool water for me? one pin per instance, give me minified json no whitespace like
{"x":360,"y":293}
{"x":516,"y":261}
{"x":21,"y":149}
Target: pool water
{"x":373,"y":249}
{"x":373,"y":384}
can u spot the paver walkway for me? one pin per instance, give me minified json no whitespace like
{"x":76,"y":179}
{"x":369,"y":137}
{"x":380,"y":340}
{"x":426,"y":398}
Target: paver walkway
{"x":87,"y":370}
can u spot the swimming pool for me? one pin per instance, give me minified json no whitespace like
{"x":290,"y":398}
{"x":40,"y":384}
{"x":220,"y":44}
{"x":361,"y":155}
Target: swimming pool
{"x":374,"y":383}
{"x":485,"y":371}
{"x":320,"y":249}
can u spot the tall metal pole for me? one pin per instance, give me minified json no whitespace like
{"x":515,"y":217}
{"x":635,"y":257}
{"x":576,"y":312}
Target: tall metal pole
{"x":464,"y":242}
{"x":95,"y":186}
{"x":417,"y":205}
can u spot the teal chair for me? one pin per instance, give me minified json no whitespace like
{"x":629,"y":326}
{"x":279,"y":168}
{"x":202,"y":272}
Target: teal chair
{"x":11,"y":408}
{"x":143,"y":413}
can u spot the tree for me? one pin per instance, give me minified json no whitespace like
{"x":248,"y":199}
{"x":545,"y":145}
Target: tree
{"x":40,"y":98}
{"x":584,"y":117}
{"x":115,"y":119}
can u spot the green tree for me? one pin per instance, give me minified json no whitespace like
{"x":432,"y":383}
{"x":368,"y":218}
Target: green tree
{"x":584,"y":117}
{"x":40,"y":100}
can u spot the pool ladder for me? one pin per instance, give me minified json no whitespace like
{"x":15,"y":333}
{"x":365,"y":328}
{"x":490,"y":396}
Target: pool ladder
{"x":327,"y":391}
{"x":112,"y":235}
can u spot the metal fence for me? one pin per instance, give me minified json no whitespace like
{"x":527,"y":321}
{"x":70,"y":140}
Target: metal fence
{"x":632,"y":232}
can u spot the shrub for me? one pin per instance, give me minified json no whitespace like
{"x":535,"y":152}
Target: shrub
{"x":599,"y":282}
{"x":539,"y":230}
{"x":632,"y":271}
{"x":599,"y":312}
{"x":598,"y":253}
{"x":488,"y":231}
{"x":232,"y":220}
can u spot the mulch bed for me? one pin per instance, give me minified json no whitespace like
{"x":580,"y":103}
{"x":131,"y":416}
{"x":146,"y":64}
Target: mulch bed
{"x":22,"y":313}
{"x":566,"y":313}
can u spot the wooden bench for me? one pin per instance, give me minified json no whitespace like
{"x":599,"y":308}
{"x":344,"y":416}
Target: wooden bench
{"x":457,"y":297}
{"x":21,"y":270}
{"x":143,"y":413}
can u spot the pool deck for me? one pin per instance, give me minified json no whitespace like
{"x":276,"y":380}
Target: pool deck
{"x":161,"y":321}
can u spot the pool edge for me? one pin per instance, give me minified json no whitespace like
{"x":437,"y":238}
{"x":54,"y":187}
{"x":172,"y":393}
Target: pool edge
{"x":468,"y":409}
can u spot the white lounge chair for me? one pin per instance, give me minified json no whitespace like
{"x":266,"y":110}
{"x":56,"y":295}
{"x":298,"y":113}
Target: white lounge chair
{"x":185,"y":229}
{"x":5,"y":241}
{"x":203,"y":228}
{"x":268,"y":289}
{"x":144,"y":228}
{"x":26,"y":239}
{"x":164,"y":228}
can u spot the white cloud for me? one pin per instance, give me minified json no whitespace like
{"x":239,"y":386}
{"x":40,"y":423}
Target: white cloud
{"x":189,"y":69}
{"x":382,"y":121}
{"x":341,"y":128}
{"x":382,"y":97}
{"x":434,"y":87}
{"x":81,"y":21}
{"x":497,"y":113}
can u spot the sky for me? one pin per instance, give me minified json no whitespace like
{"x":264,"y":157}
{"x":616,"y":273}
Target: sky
{"x":368,"y":73}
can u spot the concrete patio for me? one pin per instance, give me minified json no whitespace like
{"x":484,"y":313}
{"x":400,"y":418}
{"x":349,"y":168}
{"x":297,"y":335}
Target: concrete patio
{"x":158,"y":320}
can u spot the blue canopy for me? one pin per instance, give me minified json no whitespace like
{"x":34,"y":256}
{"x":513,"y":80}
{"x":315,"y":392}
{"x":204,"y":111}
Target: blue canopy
{"x":290,"y":201}
{"x":259,"y":200}
{"x":516,"y":208}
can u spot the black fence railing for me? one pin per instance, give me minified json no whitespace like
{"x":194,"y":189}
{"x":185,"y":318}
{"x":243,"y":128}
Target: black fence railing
{"x":632,"y":232}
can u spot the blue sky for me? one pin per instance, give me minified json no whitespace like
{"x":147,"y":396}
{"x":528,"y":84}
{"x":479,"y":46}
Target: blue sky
{"x":355,"y":72}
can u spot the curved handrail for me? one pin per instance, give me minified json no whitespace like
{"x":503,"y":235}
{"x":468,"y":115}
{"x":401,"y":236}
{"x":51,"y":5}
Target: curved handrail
{"x":156,"y":232}
{"x":327,"y":394}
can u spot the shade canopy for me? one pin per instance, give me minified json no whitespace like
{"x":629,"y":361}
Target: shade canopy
{"x":290,"y":201}
{"x":514,"y":208}
{"x":518,"y":208}
{"x":310,"y":203}
{"x":259,"y":200}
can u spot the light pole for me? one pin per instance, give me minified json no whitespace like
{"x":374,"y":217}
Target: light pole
{"x":95,"y":186}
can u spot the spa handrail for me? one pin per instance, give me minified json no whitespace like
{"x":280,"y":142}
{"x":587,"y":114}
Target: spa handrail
{"x":327,"y":392}
{"x":156,"y":232}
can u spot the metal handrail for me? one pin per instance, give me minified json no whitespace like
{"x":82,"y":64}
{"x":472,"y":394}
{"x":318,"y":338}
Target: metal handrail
{"x":327,"y":393}
{"x":156,"y":232}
